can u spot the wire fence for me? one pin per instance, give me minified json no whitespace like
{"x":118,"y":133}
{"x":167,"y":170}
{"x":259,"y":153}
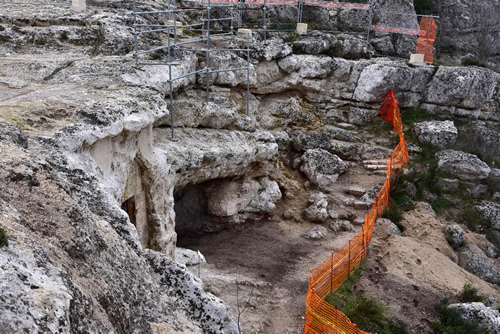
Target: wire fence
{"x":321,"y":317}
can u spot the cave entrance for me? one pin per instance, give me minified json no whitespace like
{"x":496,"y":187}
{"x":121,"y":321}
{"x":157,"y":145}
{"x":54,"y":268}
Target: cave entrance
{"x":191,"y":213}
{"x":134,"y":203}
{"x":129,"y":207}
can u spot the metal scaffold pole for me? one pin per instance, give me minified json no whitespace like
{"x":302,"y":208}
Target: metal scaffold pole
{"x":208,"y":50}
{"x":370,"y":20}
{"x":248,"y":74}
{"x":135,"y":34}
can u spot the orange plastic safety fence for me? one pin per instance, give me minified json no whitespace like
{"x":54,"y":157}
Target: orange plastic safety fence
{"x":322,"y":317}
{"x":426,"y":38}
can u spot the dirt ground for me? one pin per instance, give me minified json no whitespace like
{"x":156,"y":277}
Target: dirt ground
{"x":261,"y":268}
{"x":264,"y":265}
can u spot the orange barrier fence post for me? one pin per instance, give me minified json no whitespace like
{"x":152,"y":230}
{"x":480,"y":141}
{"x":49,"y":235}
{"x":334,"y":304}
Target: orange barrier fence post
{"x":321,"y":317}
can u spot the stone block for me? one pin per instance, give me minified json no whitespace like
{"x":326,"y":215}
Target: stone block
{"x":78,"y":5}
{"x":178,"y":26}
{"x":417,"y":59}
{"x":244,"y":32}
{"x":302,"y":28}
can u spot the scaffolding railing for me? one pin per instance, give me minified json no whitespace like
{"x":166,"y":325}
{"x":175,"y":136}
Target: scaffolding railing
{"x":173,"y":45}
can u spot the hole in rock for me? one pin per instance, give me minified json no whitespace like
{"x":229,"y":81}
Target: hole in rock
{"x":191,"y":216}
{"x":129,"y":207}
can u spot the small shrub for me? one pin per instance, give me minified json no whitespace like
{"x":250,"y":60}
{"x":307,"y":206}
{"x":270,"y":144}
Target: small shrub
{"x":4,"y":238}
{"x":393,"y":212}
{"x":473,"y":219}
{"x":367,"y":313}
{"x":414,"y":115}
{"x":472,"y":62}
{"x":470,"y":294}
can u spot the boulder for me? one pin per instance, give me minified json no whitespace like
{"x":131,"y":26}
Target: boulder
{"x":316,"y":233}
{"x":480,"y":314}
{"x":454,"y":235}
{"x":388,"y":225}
{"x":441,"y":134}
{"x":322,"y":168}
{"x":475,"y":261}
{"x":491,"y":211}
{"x":273,"y":48}
{"x":317,"y":211}
{"x":341,"y":226}
{"x":464,"y":166}
{"x":264,"y":202}
{"x":370,"y":194}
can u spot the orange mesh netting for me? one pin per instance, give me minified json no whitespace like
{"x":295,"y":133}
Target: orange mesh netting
{"x":426,"y":38}
{"x":322,"y":317}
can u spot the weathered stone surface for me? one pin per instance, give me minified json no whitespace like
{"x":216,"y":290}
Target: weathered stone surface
{"x":388,"y":225}
{"x":188,"y":257}
{"x":273,"y":48}
{"x":473,"y":259}
{"x":227,"y":198}
{"x":317,"y":211}
{"x":341,"y":226}
{"x":321,"y":167}
{"x":464,"y":166}
{"x":441,"y":134}
{"x":481,"y":315}
{"x":264,"y":202}
{"x":316,"y":233}
{"x":491,"y":211}
{"x":447,"y":184}
{"x":463,"y":87}
{"x":87,"y":271}
{"x":455,"y":235}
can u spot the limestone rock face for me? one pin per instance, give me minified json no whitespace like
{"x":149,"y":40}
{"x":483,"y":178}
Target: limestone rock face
{"x":481,"y":315}
{"x":468,"y":30}
{"x":87,"y":270}
{"x":436,"y":133}
{"x":321,"y":167}
{"x":474,"y":260}
{"x":273,"y":48}
{"x":463,"y":87}
{"x":464,"y":166}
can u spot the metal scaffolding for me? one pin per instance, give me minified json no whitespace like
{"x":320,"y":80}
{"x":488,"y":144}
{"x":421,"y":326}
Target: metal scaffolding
{"x":173,"y":44}
{"x":203,"y":7}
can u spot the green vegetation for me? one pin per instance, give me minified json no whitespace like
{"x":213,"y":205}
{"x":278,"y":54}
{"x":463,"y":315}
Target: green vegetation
{"x":473,"y":62}
{"x":470,"y":294}
{"x":424,"y":7}
{"x":4,"y":238}
{"x":451,"y":321}
{"x":414,"y":115}
{"x":367,"y":313}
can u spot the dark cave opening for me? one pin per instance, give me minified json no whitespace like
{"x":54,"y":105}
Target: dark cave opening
{"x":191,"y":213}
{"x":129,"y":207}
